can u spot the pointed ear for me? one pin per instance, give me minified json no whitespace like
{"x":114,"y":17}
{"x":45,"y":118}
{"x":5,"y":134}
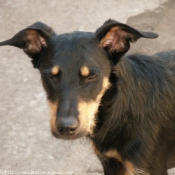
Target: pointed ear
{"x":33,"y":40}
{"x":115,"y":37}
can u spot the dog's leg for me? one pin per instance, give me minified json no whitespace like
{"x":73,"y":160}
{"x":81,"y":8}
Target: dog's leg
{"x":111,"y":166}
{"x":171,"y":160}
{"x":153,"y":168}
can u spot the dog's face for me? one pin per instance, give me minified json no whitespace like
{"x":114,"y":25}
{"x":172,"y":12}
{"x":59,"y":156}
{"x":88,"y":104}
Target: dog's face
{"x":75,"y":76}
{"x":75,"y":70}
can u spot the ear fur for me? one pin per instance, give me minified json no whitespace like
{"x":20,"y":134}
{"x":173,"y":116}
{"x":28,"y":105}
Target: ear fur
{"x":115,"y":37}
{"x":33,"y":40}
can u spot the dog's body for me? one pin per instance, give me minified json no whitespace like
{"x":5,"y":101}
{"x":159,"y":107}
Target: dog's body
{"x":124,"y":104}
{"x":145,"y":88}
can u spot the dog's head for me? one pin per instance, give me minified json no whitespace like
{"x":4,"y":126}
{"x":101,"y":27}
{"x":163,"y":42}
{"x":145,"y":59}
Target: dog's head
{"x":75,"y":70}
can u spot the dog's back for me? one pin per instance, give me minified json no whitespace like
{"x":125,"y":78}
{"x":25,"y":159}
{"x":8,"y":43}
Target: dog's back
{"x":149,"y":81}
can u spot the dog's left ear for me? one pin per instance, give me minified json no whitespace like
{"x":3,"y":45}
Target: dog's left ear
{"x":115,"y":37}
{"x":33,"y":40}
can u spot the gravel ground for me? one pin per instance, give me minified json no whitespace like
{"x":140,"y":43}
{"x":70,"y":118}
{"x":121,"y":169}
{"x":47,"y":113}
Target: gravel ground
{"x":25,"y":140}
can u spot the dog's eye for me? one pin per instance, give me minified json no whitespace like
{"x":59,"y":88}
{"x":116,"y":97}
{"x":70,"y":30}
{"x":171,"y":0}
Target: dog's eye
{"x":53,"y":77}
{"x":91,"y":77}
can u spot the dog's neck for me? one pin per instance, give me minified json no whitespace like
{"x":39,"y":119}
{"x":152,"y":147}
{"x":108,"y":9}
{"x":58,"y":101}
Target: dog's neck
{"x":104,"y":113}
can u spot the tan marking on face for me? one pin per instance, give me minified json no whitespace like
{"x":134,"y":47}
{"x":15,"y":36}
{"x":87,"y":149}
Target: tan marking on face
{"x":84,"y":71}
{"x":114,"y":154}
{"x":53,"y":107}
{"x":55,"y":70}
{"x":88,"y":110}
{"x":105,"y":86}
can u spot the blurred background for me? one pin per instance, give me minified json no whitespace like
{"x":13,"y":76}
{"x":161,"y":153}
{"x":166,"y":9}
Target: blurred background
{"x":26,"y":143}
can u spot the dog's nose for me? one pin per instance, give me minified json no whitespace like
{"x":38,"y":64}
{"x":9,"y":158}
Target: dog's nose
{"x":67,"y":126}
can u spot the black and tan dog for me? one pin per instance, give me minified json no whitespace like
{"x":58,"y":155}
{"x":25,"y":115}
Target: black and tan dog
{"x":124,"y":104}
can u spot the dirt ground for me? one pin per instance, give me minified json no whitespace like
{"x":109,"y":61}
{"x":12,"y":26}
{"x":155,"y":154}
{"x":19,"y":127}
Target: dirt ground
{"x":25,"y":140}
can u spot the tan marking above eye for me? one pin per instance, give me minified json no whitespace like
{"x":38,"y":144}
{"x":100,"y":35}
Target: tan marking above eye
{"x":55,"y":70}
{"x":84,"y":71}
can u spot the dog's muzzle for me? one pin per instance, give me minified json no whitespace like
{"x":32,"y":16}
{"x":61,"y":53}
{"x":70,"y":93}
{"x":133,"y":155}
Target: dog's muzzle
{"x":67,"y":126}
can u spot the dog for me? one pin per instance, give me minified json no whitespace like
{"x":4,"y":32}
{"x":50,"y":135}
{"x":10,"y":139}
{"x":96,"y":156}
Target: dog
{"x":125,"y":104}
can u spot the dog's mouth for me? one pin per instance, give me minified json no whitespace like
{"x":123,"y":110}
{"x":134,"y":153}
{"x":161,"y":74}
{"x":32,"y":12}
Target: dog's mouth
{"x":74,"y":136}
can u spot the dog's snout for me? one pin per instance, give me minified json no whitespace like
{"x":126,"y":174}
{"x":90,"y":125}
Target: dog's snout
{"x":67,"y":126}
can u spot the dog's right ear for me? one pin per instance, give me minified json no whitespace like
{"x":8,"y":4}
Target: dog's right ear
{"x":33,"y":40}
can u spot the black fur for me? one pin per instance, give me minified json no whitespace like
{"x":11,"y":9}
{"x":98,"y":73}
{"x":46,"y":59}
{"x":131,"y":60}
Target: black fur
{"x":134,"y":123}
{"x":141,"y":109}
